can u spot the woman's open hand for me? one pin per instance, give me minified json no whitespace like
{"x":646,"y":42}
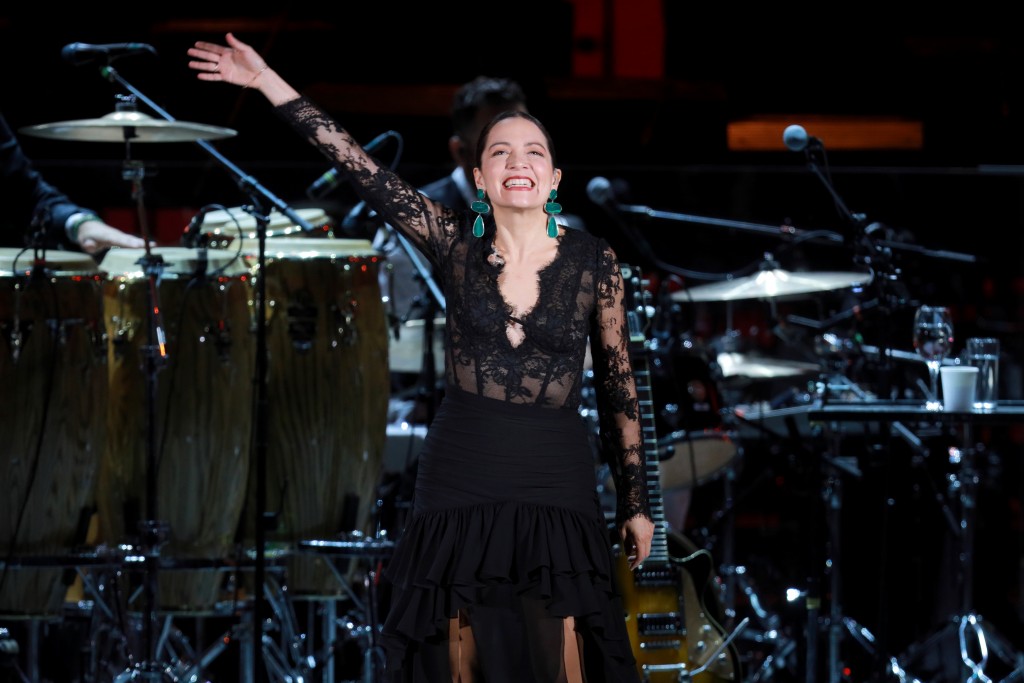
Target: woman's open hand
{"x":236,"y":63}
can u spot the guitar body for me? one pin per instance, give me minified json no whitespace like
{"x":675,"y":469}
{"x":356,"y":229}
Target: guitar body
{"x":654,"y":612}
{"x":670,"y":628}
{"x":668,"y":621}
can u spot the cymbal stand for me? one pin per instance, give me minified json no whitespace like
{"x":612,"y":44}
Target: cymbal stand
{"x":153,"y":532}
{"x":261,"y":197}
{"x":736,"y":577}
{"x":736,"y":581}
{"x":838,"y":625}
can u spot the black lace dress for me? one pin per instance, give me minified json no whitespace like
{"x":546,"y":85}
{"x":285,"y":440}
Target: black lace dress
{"x":506,"y":531}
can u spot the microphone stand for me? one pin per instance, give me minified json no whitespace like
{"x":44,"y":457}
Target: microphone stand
{"x":790,"y":232}
{"x":875,"y":254}
{"x":436,"y":303}
{"x":260,"y":196}
{"x":786,"y":231}
{"x":260,"y":435}
{"x":422,"y":269}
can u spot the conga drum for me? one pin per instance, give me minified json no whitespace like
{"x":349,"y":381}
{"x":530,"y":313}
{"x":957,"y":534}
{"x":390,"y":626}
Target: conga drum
{"x":327,"y":397}
{"x":52,"y":422}
{"x":221,"y":227}
{"x":201,"y":396}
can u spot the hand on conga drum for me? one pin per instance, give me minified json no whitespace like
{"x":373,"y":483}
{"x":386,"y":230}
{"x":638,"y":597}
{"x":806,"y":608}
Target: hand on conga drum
{"x":96,"y":235}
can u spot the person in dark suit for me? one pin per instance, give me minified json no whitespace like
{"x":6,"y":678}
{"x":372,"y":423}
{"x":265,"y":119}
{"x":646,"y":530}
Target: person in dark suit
{"x":39,"y":214}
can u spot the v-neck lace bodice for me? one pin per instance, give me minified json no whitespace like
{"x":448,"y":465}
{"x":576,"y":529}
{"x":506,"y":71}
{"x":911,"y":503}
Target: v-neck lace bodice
{"x":516,"y":325}
{"x":580,"y":297}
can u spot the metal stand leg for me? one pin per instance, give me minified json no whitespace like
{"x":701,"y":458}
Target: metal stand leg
{"x":839,"y":626}
{"x":736,"y":584}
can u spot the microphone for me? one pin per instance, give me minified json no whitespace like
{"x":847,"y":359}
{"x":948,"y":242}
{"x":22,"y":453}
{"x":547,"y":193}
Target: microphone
{"x":600,"y":192}
{"x":190,"y":236}
{"x":795,"y":137}
{"x":83,"y":53}
{"x":330,"y":180}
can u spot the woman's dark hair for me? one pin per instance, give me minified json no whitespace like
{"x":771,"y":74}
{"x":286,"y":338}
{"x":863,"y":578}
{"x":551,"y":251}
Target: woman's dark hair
{"x":511,"y":114}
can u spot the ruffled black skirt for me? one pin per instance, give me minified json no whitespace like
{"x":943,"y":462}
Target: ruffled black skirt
{"x":505,"y":514}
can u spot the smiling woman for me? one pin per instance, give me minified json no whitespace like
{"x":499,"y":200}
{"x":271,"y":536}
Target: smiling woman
{"x":505,"y":569}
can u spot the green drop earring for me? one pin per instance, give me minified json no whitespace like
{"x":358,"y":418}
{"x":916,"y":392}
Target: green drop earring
{"x":482,"y":208}
{"x":553,"y":209}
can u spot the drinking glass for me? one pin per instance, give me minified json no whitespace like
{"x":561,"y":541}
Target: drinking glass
{"x":933,"y":340}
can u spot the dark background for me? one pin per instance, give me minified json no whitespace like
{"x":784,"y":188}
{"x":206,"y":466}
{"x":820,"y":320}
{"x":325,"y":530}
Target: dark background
{"x":663,"y":144}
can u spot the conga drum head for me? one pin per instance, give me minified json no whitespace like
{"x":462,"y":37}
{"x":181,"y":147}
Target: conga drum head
{"x":222,"y":227}
{"x":311,"y":248}
{"x":16,"y":260}
{"x":176,"y":262}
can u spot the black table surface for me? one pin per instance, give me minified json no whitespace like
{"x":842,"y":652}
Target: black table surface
{"x":1006,"y":412}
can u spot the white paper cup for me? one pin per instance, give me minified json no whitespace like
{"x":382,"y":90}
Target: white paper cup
{"x":958,"y":382}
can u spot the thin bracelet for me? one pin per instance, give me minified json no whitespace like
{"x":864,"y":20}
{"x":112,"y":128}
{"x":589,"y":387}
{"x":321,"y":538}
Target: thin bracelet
{"x":253,"y":79}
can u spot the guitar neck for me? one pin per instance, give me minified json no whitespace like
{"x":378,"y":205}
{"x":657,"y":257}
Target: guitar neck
{"x":637,"y":321}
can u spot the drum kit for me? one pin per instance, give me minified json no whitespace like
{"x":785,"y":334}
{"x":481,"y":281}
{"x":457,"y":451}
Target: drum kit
{"x":717,"y":397}
{"x":188,"y":424}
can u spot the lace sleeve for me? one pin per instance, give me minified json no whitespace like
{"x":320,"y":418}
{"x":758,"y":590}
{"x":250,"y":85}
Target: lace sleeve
{"x":428,"y":225}
{"x":618,"y":404}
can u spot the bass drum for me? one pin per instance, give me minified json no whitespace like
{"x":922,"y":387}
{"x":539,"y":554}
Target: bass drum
{"x":52,"y":422}
{"x":693,"y":445}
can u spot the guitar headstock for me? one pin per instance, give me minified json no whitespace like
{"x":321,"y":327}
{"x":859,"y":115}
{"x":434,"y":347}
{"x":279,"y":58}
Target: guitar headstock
{"x":637,"y":300}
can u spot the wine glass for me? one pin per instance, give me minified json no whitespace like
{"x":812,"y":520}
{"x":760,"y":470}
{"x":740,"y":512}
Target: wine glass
{"x":933,"y":340}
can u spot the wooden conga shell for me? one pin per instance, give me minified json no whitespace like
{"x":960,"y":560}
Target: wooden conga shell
{"x":201,"y":416}
{"x":327,"y":396}
{"x":53,"y":388}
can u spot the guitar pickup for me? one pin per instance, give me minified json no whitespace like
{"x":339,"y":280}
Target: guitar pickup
{"x":657,"y":575}
{"x":661,"y":624}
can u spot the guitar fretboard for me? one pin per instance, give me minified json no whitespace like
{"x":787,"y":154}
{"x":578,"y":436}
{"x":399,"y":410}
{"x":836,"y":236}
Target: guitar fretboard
{"x":637,"y":321}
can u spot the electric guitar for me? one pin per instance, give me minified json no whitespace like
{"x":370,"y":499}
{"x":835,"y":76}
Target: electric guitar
{"x":670,"y":628}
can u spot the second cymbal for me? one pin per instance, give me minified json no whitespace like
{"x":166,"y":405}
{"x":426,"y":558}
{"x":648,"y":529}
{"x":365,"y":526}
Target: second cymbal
{"x":770,"y":284}
{"x":128,"y":126}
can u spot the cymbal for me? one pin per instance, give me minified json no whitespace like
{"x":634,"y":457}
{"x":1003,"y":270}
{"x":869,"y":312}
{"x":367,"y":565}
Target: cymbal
{"x":128,"y":126}
{"x":770,"y":284}
{"x":743,"y":366}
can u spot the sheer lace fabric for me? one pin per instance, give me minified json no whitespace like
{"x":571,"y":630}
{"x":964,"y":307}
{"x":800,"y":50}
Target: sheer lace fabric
{"x":543,"y":555}
{"x":581,"y":296}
